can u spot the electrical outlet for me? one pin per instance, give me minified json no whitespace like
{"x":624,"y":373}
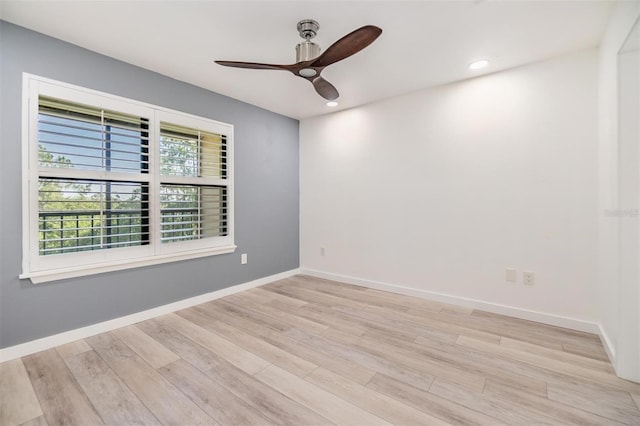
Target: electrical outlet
{"x":511,"y":275}
{"x":528,"y":278}
{"x":243,"y":259}
{"x":322,"y":251}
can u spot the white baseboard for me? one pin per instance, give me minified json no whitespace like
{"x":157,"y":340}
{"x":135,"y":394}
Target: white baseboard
{"x":49,"y":342}
{"x":542,"y":317}
{"x":608,"y":345}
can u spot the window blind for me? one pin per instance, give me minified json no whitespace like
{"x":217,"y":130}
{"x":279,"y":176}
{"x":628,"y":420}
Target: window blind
{"x":191,"y":152}
{"x":195,"y":210}
{"x":79,"y":212}
{"x":87,"y":138}
{"x":80,"y":215}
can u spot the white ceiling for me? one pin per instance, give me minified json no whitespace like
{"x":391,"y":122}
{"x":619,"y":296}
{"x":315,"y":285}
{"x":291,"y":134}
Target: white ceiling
{"x":424,"y":43}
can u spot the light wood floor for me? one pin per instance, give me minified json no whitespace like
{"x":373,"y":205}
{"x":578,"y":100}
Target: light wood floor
{"x":305,"y":351}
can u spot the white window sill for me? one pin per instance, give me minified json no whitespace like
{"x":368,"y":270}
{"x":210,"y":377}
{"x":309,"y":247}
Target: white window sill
{"x":38,"y":277}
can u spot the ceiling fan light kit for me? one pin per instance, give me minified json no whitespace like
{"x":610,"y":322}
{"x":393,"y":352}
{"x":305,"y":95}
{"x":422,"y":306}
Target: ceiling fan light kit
{"x":310,"y":61}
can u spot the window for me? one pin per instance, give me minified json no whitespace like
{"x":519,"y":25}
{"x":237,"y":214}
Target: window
{"x":191,"y":163}
{"x":112,"y":183}
{"x":82,"y":204}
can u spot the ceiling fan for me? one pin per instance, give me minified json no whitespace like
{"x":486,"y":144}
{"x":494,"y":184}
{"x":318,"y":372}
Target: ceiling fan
{"x":310,"y":63}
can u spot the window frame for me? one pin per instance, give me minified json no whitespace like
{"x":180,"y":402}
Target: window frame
{"x":43,"y":268}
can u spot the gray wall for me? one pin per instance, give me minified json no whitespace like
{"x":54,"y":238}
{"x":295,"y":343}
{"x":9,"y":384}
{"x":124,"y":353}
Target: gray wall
{"x":266,"y":194}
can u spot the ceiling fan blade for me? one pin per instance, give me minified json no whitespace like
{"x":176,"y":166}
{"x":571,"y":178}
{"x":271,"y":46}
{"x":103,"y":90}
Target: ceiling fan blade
{"x":325,"y":89}
{"x":252,"y":65}
{"x":348,"y":45}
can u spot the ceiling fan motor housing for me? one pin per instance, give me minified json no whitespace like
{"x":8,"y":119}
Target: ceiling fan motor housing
{"x":307,"y":50}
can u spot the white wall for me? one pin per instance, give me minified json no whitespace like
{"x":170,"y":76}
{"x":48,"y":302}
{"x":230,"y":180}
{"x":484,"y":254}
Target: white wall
{"x":616,"y":323}
{"x":443,"y":189}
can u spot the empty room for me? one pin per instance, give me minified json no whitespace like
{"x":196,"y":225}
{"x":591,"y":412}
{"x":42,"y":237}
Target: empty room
{"x":319,"y":212}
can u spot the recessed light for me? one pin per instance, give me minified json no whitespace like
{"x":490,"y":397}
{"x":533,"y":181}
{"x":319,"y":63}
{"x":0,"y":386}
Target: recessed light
{"x":478,"y":64}
{"x":332,"y":104}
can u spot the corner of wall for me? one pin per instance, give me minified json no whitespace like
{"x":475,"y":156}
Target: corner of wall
{"x":621,"y":21}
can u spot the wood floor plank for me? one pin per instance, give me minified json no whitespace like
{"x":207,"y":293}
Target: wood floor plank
{"x":284,"y":316}
{"x":559,"y":366}
{"x":427,"y":321}
{"x":408,"y":301}
{"x":150,"y":350}
{"x":238,"y":310}
{"x":503,"y":371}
{"x":503,"y":326}
{"x":265,"y":399}
{"x":434,"y":335}
{"x":614,"y":405}
{"x":60,"y":396}
{"x":463,"y":361}
{"x":203,"y":315}
{"x":322,"y":402}
{"x":212,"y":397}
{"x":523,"y":375}
{"x":344,"y":296}
{"x":165,"y":401}
{"x":73,"y":348}
{"x":409,"y":323}
{"x":350,"y":321}
{"x":636,"y":399}
{"x":434,"y":322}
{"x":318,"y":317}
{"x":432,"y":404}
{"x":563,"y":414}
{"x":277,"y":297}
{"x":536,"y":327}
{"x":38,"y":421}
{"x":376,"y":403}
{"x":261,"y":348}
{"x":228,"y":313}
{"x":420,"y":303}
{"x":587,"y":349}
{"x":350,"y":293}
{"x":254,"y":296}
{"x":113,"y":400}
{"x":382,"y":298}
{"x":188,"y":350}
{"x":18,"y":401}
{"x":333,"y":347}
{"x":372,"y":321}
{"x":394,"y":301}
{"x":410,"y":360}
{"x":398,"y":324}
{"x":487,"y":405}
{"x":231,"y":352}
{"x":558,"y":355}
{"x":318,"y":297}
{"x":265,"y":350}
{"x":440,"y":340}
